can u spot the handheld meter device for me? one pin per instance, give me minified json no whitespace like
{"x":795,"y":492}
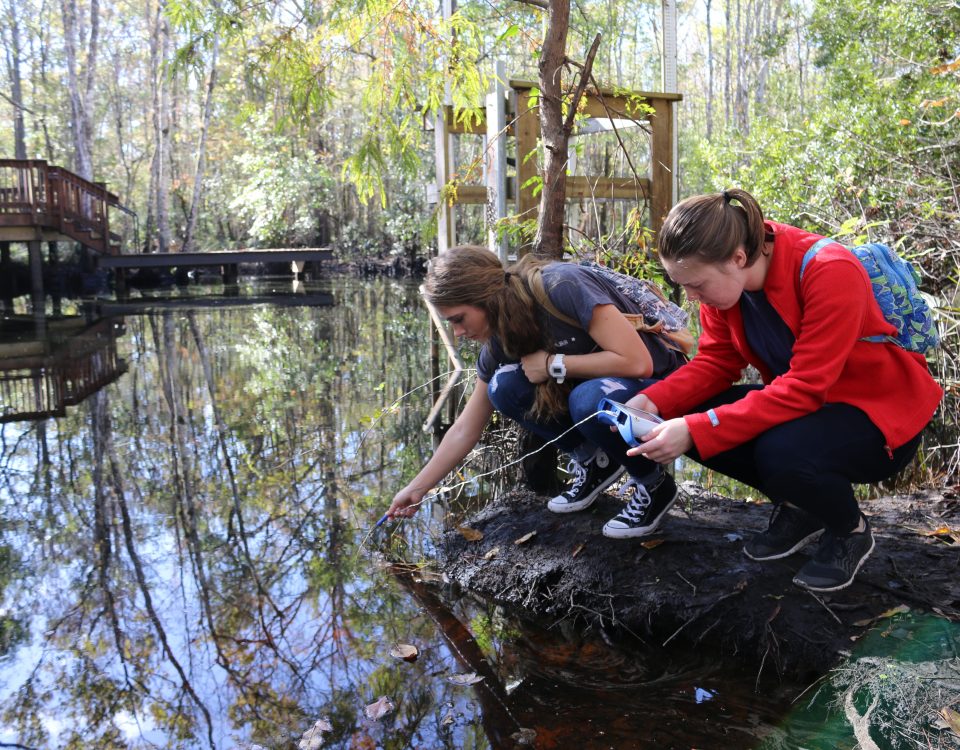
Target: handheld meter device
{"x":631,"y":423}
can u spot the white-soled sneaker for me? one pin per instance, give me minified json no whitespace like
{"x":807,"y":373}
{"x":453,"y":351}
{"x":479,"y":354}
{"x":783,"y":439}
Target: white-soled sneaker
{"x":645,"y":510}
{"x":590,"y":478}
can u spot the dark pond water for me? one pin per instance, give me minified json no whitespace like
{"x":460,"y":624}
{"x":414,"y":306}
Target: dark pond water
{"x":186,"y":557}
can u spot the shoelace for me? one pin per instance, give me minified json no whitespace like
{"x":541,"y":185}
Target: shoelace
{"x":833,"y":548}
{"x":639,"y":502}
{"x":579,"y":476}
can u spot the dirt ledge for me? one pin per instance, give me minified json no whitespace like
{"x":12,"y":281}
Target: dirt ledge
{"x":691,"y":586}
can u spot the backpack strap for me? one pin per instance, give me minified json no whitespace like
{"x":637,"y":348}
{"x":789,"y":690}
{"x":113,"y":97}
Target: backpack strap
{"x":814,"y":249}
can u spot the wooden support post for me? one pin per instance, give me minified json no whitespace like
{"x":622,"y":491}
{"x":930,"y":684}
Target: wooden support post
{"x":527,"y":129}
{"x":231,"y":274}
{"x":120,"y":287}
{"x":446,"y":219}
{"x":56,"y":284}
{"x":668,"y":70}
{"x":661,"y":164}
{"x":37,"y":302}
{"x":495,"y":163}
{"x":6,"y":276}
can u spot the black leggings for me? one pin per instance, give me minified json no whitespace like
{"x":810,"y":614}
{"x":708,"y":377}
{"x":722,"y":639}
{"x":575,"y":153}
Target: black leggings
{"x":812,"y":462}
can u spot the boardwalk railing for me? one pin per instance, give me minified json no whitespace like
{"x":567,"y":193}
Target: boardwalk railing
{"x":34,"y":194}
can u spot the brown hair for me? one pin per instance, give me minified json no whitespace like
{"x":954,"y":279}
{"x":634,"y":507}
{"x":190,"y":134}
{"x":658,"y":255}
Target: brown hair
{"x":473,"y":275}
{"x":709,"y":228}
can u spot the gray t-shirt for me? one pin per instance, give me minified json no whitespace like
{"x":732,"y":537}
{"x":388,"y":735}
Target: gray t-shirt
{"x":575,"y":291}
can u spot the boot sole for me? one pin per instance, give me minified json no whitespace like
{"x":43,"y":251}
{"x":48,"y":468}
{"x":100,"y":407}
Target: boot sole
{"x":617,"y":533}
{"x":780,"y":555}
{"x":839,"y":586}
{"x":586,"y":503}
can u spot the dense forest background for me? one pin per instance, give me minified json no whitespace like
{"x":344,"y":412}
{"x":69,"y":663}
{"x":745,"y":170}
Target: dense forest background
{"x":224,"y":124}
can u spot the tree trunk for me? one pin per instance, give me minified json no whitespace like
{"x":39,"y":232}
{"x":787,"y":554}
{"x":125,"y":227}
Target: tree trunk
{"x":728,"y":42}
{"x":161,"y":125}
{"x":10,"y":34}
{"x":553,"y":195}
{"x":80,"y":96}
{"x":202,"y":149}
{"x":709,"y":72}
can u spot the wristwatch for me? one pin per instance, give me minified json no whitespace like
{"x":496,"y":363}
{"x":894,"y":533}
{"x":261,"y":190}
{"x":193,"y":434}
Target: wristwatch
{"x":557,"y":370}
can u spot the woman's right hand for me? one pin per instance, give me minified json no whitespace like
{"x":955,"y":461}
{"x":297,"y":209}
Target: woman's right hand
{"x":640,"y":401}
{"x":405,"y":503}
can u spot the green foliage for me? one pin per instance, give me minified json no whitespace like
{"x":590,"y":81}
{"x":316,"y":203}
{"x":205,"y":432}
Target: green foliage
{"x":277,"y":200}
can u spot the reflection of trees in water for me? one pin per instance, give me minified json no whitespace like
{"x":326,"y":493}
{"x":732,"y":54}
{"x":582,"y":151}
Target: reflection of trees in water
{"x":190,"y":537}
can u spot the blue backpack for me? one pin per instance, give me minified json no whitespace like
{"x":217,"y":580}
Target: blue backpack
{"x":894,"y":282}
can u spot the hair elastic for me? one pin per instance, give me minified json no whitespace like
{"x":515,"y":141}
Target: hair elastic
{"x":506,"y":277}
{"x":726,"y":196}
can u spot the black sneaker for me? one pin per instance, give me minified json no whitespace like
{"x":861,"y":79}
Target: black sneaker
{"x":837,"y":560}
{"x":590,"y":478}
{"x":645,"y":509}
{"x":789,"y":529}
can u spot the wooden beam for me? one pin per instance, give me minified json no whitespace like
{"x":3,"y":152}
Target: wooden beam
{"x":607,"y":188}
{"x":519,"y":85}
{"x":475,"y":123}
{"x":661,"y":164}
{"x":528,"y":131}
{"x":471,"y":194}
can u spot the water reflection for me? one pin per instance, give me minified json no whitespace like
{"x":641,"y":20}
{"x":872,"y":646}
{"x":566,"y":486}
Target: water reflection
{"x":186,"y":559}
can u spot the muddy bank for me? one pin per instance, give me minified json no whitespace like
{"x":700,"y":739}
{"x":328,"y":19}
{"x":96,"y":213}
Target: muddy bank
{"x":690,"y":586}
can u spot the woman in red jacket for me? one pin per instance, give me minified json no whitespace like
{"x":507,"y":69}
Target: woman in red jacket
{"x":833,"y":409}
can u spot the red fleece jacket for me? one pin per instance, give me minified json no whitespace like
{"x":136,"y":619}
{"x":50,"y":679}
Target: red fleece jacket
{"x":828,"y":312}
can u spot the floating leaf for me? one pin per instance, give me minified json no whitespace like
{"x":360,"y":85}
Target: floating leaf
{"x":471,"y":535}
{"x":898,"y":610}
{"x":405,"y":651}
{"x":525,"y":538}
{"x":491,"y":553}
{"x":952,"y":718}
{"x":652,"y":543}
{"x":312,"y":739}
{"x":380,"y":708}
{"x":470,"y":678}
{"x":447,"y":720}
{"x":525,"y":736}
{"x":577,"y":550}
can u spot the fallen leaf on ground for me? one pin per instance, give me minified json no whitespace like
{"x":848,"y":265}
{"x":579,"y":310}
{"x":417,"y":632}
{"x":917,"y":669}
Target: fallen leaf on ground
{"x":525,"y":538}
{"x":525,"y":736}
{"x":313,"y":737}
{"x":471,"y":535}
{"x":652,"y":543}
{"x":470,"y":678}
{"x":952,"y":718}
{"x":405,"y":651}
{"x":491,"y":553}
{"x":577,"y":550}
{"x":379,"y":708}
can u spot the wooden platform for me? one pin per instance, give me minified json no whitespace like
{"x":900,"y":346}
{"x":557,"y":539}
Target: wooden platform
{"x":214,"y":258}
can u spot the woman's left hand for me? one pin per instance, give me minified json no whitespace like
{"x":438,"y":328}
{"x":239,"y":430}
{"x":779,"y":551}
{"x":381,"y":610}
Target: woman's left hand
{"x":534,"y":366}
{"x":665,"y":442}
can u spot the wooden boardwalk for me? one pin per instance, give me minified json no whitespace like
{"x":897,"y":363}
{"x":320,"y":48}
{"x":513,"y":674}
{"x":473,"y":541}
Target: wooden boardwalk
{"x":41,"y":203}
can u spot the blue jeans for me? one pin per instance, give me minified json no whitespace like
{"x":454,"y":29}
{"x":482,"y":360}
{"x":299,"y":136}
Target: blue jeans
{"x":813,"y":461}
{"x":512,"y":395}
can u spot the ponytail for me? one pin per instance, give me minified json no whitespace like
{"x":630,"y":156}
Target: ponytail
{"x":709,"y":228}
